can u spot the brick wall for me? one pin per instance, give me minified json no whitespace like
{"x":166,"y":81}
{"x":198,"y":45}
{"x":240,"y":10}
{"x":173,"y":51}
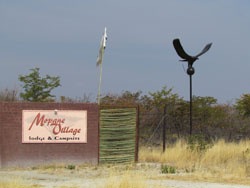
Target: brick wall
{"x":13,"y":153}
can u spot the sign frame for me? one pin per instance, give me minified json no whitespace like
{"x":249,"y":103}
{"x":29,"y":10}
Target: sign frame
{"x":54,"y":113}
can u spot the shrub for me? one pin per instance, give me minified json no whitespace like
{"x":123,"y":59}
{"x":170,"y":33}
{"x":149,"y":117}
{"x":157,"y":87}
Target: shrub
{"x":166,"y":169}
{"x":198,"y":143}
{"x":70,"y":167}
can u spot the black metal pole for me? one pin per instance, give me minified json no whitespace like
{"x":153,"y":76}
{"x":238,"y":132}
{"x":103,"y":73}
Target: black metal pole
{"x":191,"y":123}
{"x":164,"y":129}
{"x":190,"y":70}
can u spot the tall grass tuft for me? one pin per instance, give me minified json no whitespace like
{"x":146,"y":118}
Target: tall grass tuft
{"x":234,"y":158}
{"x":222,"y":159}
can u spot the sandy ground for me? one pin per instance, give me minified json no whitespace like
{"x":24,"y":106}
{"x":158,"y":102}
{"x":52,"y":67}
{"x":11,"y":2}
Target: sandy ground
{"x":97,"y":176}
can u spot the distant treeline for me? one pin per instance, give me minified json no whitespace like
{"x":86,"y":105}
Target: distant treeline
{"x":210,"y":119}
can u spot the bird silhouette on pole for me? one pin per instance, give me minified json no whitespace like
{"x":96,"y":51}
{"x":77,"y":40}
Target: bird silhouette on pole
{"x":190,"y":70}
{"x":185,"y":57}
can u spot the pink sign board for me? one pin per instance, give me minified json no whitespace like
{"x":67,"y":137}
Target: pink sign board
{"x":54,"y":126}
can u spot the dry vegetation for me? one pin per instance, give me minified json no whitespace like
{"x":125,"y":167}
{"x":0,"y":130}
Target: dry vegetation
{"x":17,"y":184}
{"x":126,"y":180}
{"x":220,"y":162}
{"x":129,"y":180}
{"x":226,"y":162}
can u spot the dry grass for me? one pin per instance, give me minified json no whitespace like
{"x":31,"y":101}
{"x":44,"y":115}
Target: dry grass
{"x":16,"y":184}
{"x":224,"y":162}
{"x":227,"y":162}
{"x":126,"y":180}
{"x":49,"y":167}
{"x":129,"y":180}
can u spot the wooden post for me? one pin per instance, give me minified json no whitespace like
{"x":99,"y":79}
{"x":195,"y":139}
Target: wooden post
{"x":137,"y":133}
{"x":164,"y":129}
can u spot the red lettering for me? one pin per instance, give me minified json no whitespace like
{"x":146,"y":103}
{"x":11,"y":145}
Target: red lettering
{"x":56,"y":132}
{"x":54,"y":122}
{"x":38,"y":121}
{"x":50,"y":121}
{"x":70,"y":130}
{"x":41,"y":121}
{"x":76,"y":131}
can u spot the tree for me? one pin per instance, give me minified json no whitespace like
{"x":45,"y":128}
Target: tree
{"x":243,"y":104}
{"x":203,"y":107}
{"x":210,"y":119}
{"x":164,"y":97}
{"x":125,"y":98}
{"x":38,"y":89}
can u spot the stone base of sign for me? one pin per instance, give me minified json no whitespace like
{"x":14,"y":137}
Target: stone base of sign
{"x":14,"y":153}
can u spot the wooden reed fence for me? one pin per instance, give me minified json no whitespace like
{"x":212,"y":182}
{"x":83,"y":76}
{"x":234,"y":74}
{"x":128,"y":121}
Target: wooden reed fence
{"x":118,"y":135}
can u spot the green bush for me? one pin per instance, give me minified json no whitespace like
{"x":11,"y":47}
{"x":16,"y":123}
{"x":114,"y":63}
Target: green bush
{"x":166,"y":169}
{"x":198,"y":143}
{"x":70,"y":167}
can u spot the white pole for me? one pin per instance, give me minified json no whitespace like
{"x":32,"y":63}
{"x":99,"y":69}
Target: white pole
{"x":100,"y":81}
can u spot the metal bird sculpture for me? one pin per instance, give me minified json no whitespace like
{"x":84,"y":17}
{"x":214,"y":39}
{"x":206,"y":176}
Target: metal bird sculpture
{"x":190,"y":70}
{"x":185,"y":57}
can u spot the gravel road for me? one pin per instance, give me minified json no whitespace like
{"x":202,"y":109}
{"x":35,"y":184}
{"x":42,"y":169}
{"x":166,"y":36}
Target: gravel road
{"x":90,"y":177}
{"x":189,"y":184}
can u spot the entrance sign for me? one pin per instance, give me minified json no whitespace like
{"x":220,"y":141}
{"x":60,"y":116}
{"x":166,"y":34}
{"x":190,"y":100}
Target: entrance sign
{"x":54,"y":126}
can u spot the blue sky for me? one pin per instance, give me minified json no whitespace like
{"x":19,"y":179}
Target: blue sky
{"x":62,"y":38}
